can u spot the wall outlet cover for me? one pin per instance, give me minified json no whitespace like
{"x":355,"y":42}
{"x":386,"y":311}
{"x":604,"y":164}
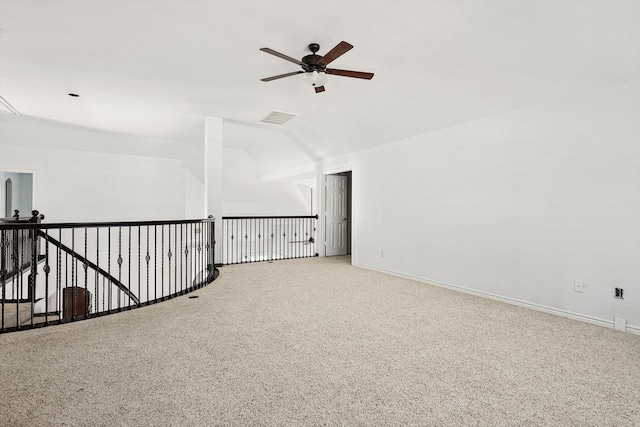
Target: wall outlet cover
{"x":620,"y":324}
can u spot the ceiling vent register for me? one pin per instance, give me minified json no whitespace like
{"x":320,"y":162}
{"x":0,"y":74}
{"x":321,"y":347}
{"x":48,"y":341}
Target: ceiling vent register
{"x":279,"y":117}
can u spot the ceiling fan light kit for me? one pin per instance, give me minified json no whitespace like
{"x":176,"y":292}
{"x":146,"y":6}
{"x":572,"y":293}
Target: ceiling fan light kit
{"x":315,"y":78}
{"x":315,"y":68}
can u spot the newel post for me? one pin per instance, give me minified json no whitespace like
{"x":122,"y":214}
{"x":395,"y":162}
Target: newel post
{"x":36,"y":218}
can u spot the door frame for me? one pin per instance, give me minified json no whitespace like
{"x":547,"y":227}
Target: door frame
{"x":322,"y":203}
{"x":34,"y":187}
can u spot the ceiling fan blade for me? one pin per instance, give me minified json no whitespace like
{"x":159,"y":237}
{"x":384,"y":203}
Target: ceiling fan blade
{"x":340,"y":49}
{"x":348,"y":73}
{"x":281,"y":55}
{"x":319,"y":89}
{"x":268,"y":79}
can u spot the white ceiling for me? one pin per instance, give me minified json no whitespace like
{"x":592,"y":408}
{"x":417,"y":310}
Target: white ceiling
{"x":157,"y":68}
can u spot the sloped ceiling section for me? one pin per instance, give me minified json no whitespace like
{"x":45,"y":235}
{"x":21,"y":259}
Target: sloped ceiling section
{"x":158,"y":68}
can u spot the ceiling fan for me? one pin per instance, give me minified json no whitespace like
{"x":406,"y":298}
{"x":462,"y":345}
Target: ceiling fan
{"x":314,"y":67}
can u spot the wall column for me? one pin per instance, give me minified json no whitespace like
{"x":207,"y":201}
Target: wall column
{"x":213,"y":175}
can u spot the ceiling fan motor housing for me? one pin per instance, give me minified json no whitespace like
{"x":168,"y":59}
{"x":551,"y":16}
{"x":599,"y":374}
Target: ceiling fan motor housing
{"x":311,"y":63}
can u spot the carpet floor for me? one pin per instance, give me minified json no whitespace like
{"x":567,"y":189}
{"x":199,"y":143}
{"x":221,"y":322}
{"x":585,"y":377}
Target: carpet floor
{"x":318,"y":342}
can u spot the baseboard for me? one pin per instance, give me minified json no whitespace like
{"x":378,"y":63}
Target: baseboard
{"x":633,"y":330}
{"x":538,"y":307}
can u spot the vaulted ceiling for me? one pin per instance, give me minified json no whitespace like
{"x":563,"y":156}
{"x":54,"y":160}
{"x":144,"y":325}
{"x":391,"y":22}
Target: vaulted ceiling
{"x":157,"y":68}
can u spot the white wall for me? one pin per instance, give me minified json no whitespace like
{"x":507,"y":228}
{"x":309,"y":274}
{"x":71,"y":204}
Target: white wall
{"x":245,"y":195}
{"x":518,"y":205}
{"x":193,"y":196}
{"x":89,"y":176}
{"x":81,"y":186}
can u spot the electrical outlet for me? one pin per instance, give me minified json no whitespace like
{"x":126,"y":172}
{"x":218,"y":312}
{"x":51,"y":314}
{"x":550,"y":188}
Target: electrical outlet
{"x":579,"y":286}
{"x":620,"y":324}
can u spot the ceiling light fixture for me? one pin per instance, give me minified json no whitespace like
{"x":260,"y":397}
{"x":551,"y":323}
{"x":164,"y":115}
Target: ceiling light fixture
{"x":315,"y":79}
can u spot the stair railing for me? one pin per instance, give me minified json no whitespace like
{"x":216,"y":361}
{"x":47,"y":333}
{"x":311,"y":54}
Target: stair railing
{"x":248,"y":239}
{"x":55,"y":273}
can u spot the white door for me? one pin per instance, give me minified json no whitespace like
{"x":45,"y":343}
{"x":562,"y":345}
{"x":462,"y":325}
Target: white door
{"x":335,"y":215}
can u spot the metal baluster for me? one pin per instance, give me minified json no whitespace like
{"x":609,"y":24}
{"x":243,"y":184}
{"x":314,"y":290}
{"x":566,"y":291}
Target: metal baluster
{"x":260,"y":238}
{"x":155,"y":262}
{"x":162,"y":261}
{"x":169,"y":257}
{"x":129,"y":268}
{"x":59,"y":277}
{"x":202,"y":253}
{"x":109,"y":305}
{"x":272,"y":242}
{"x":139,"y":264}
{"x":187,"y":258}
{"x":243,"y":232}
{"x":200,"y":262}
{"x":97,"y":275}
{"x":263,"y":248}
{"x":147,"y":259}
{"x":252,"y":239}
{"x":181,"y":264}
{"x":238,"y":240}
{"x":73,"y":276}
{"x":19,"y":264}
{"x":119,"y":261}
{"x":175,"y":260}
{"x":236,"y":225}
{"x":85,"y":267}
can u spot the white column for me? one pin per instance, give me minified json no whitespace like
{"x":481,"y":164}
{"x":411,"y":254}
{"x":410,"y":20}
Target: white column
{"x":213,"y":176}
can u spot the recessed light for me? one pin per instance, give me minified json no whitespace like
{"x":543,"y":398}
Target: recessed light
{"x":75,"y":95}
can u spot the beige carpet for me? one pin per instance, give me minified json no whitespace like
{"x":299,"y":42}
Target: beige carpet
{"x":318,"y":342}
{"x":16,"y":314}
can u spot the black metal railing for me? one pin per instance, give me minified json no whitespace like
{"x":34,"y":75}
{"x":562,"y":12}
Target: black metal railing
{"x":266,"y":238}
{"x":16,"y":245}
{"x":54,"y":273}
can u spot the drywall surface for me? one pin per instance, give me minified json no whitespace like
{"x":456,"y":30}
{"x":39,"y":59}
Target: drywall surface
{"x":519,"y":205}
{"x":193,"y":196}
{"x":89,"y":185}
{"x":245,"y":195}
{"x":90,"y":175}
{"x":82,"y":186}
